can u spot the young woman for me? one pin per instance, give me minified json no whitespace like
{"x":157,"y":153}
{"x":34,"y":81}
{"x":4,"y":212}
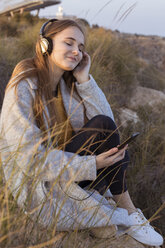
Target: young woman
{"x":60,"y":140}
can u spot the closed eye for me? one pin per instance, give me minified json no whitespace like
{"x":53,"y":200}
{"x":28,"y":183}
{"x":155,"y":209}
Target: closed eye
{"x":68,"y":44}
{"x":80,"y":48}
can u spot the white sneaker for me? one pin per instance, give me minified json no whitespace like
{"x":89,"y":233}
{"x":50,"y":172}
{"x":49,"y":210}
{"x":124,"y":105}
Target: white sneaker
{"x":141,"y":230}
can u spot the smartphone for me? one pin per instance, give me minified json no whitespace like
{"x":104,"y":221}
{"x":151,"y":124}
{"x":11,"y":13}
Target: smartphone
{"x":127,"y":141}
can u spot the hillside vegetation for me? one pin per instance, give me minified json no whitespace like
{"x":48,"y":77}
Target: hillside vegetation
{"x":120,"y":63}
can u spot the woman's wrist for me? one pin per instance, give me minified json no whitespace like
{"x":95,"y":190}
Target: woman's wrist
{"x":83,"y":79}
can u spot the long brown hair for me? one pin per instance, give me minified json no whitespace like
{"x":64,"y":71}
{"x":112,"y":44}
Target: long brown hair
{"x":38,"y":67}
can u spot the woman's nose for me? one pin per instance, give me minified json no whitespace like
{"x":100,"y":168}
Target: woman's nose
{"x":75,"y":51}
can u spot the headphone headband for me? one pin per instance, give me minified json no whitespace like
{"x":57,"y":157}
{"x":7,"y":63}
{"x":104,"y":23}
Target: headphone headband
{"x":46,"y":42}
{"x":42,"y":30}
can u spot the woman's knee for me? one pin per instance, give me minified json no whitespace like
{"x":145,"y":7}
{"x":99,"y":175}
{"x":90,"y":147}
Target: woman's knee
{"x":103,"y":122}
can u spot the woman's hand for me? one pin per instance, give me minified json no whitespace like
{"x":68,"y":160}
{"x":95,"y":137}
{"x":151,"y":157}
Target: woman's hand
{"x":106,"y":159}
{"x":81,"y":72}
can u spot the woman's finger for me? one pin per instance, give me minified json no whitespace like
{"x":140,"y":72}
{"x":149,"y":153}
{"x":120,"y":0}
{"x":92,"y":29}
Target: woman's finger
{"x":116,"y":157}
{"x":110,"y":157}
{"x":115,"y":151}
{"x":86,"y":57}
{"x":111,"y":151}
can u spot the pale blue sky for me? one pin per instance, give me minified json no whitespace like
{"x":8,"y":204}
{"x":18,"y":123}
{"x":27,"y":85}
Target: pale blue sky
{"x":147,"y":16}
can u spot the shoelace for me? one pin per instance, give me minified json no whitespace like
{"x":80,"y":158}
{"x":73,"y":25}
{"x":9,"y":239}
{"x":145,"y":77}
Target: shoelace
{"x":145,"y":224}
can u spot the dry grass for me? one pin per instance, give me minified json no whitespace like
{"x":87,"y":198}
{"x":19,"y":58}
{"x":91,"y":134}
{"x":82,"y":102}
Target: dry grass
{"x":115,"y":67}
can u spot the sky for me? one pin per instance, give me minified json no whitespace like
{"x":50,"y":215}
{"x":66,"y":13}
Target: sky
{"x":130,"y":16}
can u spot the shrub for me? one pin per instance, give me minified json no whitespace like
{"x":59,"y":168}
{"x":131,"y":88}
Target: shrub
{"x":14,"y":49}
{"x":146,"y":171}
{"x":151,"y":77}
{"x":114,"y":64}
{"x":7,"y":27}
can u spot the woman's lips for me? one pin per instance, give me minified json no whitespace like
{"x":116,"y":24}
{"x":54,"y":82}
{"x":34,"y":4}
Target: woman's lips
{"x":72,"y":58}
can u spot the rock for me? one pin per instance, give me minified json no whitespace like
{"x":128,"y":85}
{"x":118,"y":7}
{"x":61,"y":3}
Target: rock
{"x":127,"y":115}
{"x":104,"y":232}
{"x":124,"y":241}
{"x":142,"y":96}
{"x":83,"y":239}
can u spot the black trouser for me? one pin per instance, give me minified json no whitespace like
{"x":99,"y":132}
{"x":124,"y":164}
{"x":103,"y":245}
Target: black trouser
{"x":97,"y":136}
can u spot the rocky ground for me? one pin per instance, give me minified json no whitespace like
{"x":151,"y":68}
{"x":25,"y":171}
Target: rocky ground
{"x":151,"y":53}
{"x":149,"y":48}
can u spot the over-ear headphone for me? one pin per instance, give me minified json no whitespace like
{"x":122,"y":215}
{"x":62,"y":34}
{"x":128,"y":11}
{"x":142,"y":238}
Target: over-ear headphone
{"x":46,"y":42}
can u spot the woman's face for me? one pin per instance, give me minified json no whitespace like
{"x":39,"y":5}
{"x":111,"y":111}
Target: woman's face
{"x":68,"y":48}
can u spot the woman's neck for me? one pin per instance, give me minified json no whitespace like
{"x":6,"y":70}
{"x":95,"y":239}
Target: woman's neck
{"x":56,"y":75}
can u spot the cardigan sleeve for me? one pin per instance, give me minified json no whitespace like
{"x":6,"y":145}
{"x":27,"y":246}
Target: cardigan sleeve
{"x":24,"y":146}
{"x":94,"y":99}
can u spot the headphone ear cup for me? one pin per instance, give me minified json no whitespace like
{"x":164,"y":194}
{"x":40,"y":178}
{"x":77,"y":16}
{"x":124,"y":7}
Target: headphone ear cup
{"x":50,"y":45}
{"x":46,"y":45}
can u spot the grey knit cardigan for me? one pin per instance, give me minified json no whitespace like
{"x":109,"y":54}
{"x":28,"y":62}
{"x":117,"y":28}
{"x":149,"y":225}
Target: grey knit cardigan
{"x":42,"y":178}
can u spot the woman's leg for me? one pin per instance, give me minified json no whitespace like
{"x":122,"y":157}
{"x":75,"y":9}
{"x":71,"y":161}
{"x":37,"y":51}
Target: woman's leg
{"x":123,"y":200}
{"x":99,"y":135}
